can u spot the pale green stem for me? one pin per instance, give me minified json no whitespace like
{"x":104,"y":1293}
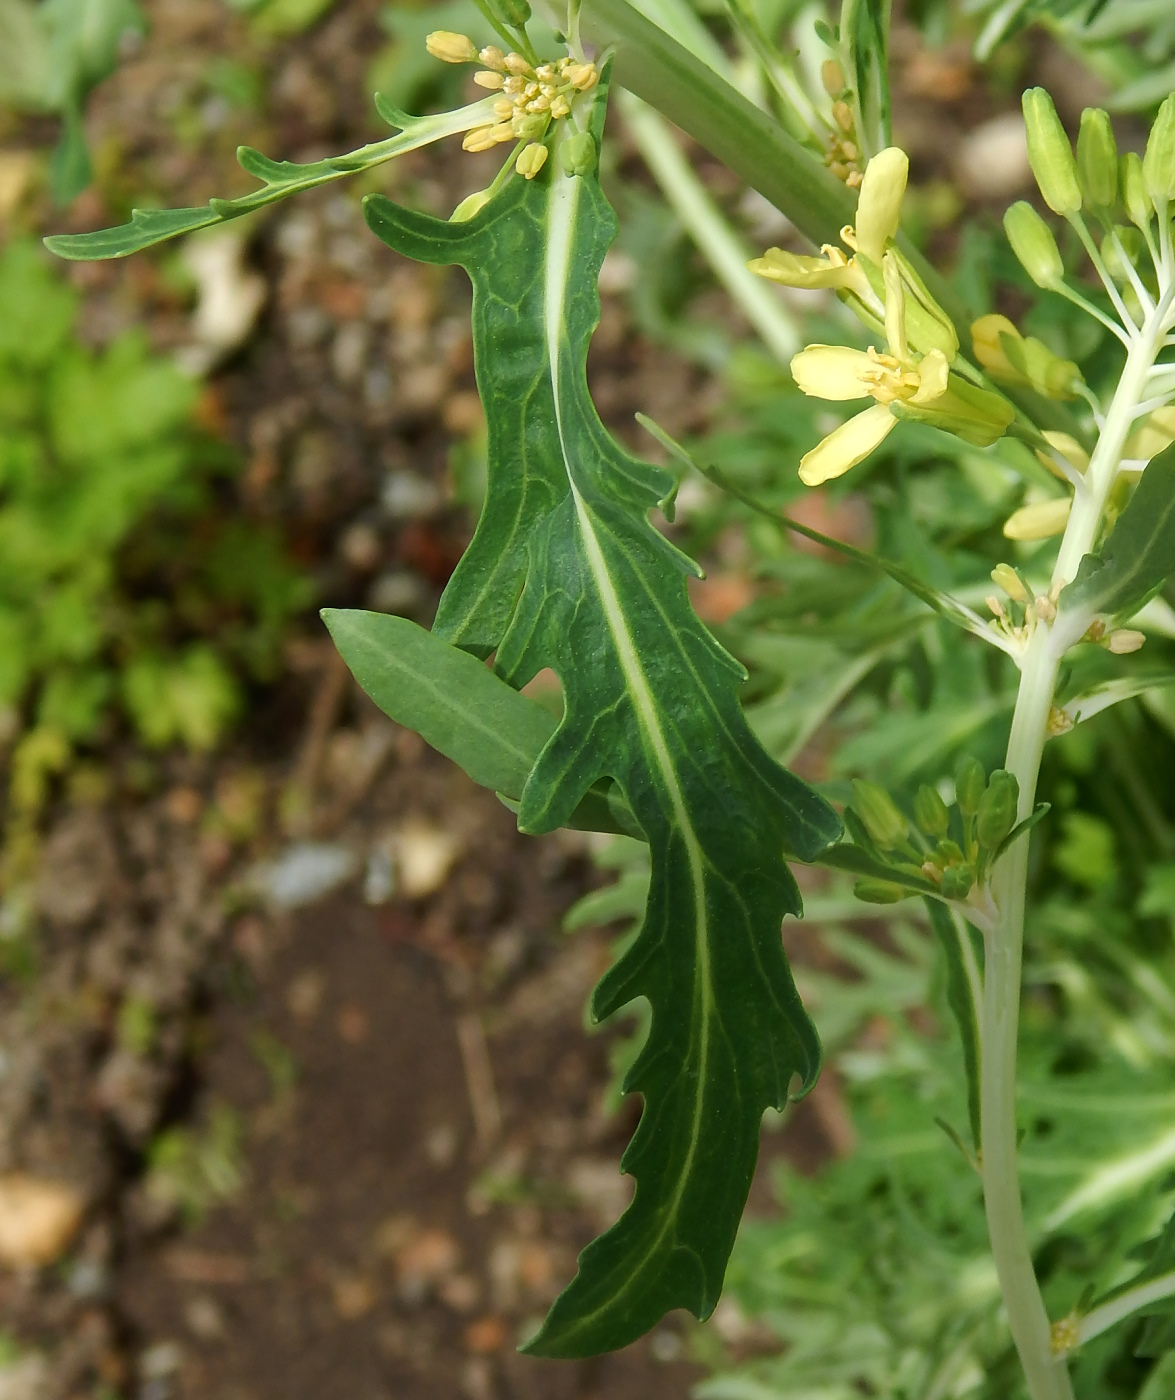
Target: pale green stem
{"x":1047,"y":1376}
{"x":1095,"y":257}
{"x":717,"y":241}
{"x":1100,"y":1320}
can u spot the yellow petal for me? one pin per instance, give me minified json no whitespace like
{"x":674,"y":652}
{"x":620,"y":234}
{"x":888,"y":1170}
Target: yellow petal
{"x":832,"y":372}
{"x":847,"y":445}
{"x":879,"y":204}
{"x":933,"y":373}
{"x":1040,"y":521}
{"x":800,"y":269}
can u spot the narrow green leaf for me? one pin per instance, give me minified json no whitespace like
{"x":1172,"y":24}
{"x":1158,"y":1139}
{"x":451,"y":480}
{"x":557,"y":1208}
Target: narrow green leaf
{"x":451,"y":699}
{"x":1038,"y":813}
{"x":1109,"y":693}
{"x":942,"y":603}
{"x":962,"y":993}
{"x":565,"y":570}
{"x":281,"y":178}
{"x":1134,"y":561}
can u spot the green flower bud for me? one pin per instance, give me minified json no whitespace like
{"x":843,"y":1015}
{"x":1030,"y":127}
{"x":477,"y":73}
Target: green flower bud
{"x":1135,"y":199}
{"x":948,"y":853}
{"x":930,"y":812}
{"x":957,"y":881}
{"x":1097,"y":160}
{"x":513,"y":12}
{"x":881,"y":819}
{"x":969,"y":785}
{"x":879,"y":892}
{"x":577,"y":155}
{"x":472,"y":204}
{"x":997,"y":809}
{"x":532,"y":128}
{"x":1050,"y":154}
{"x":1158,"y":165}
{"x":1033,"y":243}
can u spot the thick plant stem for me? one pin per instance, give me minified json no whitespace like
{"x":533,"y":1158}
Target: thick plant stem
{"x":1047,"y":1375}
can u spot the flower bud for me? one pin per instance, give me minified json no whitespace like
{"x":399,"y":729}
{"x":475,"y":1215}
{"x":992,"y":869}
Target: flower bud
{"x":512,"y":12}
{"x":1158,"y":165}
{"x":879,"y":892}
{"x":493,"y":57}
{"x":997,"y":809}
{"x":1005,"y":577}
{"x":957,"y":881}
{"x":450,"y":47}
{"x":1135,"y":199}
{"x":969,"y":784}
{"x":881,"y":819}
{"x":531,"y":160}
{"x":1034,"y":245}
{"x":1050,"y":154}
{"x":832,"y":75}
{"x":532,"y":127}
{"x":930,"y":812}
{"x":1039,"y":521}
{"x":487,"y":78}
{"x":1097,"y":160}
{"x":1124,"y":641}
{"x":1012,"y":358}
{"x":577,"y":155}
{"x":948,"y":853}
{"x":471,"y":205}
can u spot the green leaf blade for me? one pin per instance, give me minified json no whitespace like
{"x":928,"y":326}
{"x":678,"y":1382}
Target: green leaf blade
{"x":565,"y":570}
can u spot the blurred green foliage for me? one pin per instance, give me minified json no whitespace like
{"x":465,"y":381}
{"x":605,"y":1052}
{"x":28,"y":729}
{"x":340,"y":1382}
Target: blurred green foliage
{"x":127,"y":591}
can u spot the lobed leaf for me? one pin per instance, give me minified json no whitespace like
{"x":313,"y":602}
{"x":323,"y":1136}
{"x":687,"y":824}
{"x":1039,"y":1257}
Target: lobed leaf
{"x":281,"y":178}
{"x":565,"y":570}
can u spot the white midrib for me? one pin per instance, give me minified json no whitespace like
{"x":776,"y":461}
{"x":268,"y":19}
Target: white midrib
{"x":560,"y":229}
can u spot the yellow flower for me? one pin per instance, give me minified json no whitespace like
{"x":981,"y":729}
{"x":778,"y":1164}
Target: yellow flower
{"x":902,"y":384}
{"x":879,"y":206}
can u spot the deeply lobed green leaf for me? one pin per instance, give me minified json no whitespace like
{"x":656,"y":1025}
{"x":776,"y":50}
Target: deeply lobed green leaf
{"x":566,"y":571}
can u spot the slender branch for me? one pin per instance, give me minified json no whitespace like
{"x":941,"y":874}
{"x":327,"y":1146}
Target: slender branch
{"x":1095,"y":257}
{"x":1100,"y":1320}
{"x":1140,"y":291}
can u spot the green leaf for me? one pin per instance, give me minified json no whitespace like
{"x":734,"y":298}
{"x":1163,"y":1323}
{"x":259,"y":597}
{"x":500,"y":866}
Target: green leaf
{"x":281,"y":178}
{"x":964,"y":992}
{"x":1109,"y":693}
{"x":565,"y":570}
{"x":1133,"y":562}
{"x":460,"y":707}
{"x":942,"y":603}
{"x":1038,"y":813}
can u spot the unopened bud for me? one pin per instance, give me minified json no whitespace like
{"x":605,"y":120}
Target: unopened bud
{"x":832,"y":75}
{"x":948,"y":853}
{"x":513,"y":12}
{"x":1064,"y":446}
{"x":493,"y":57}
{"x":1122,"y":643}
{"x":516,"y":64}
{"x":531,"y":160}
{"x":879,"y":202}
{"x":880,"y":816}
{"x":930,"y":811}
{"x":1158,"y":165}
{"x":1050,"y":154}
{"x":472,"y":204}
{"x":532,"y":127}
{"x":879,"y":892}
{"x":582,"y":76}
{"x":1010,"y":581}
{"x":970,"y":783}
{"x":1097,"y":159}
{"x":1040,"y":521}
{"x":489,"y":79}
{"x":1034,"y":245}
{"x":1012,"y":358}
{"x":997,"y":809}
{"x":450,"y":47}
{"x":957,"y":881}
{"x":577,"y":155}
{"x":1135,"y":199}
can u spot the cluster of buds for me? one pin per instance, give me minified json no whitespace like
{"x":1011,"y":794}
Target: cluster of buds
{"x":986,"y":817}
{"x":1018,"y":617}
{"x":843,"y":155}
{"x":532,"y":95}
